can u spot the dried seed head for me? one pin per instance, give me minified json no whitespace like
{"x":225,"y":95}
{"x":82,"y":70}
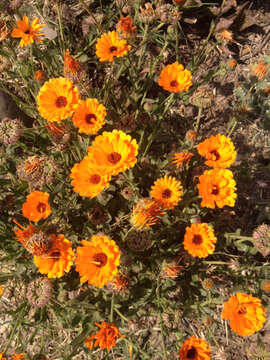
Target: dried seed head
{"x":265,"y":286}
{"x":10,"y":130}
{"x":171,"y":269}
{"x":202,"y":97}
{"x":98,"y":216}
{"x":261,"y":236}
{"x":39,"y":292}
{"x":15,"y":4}
{"x":39,"y":244}
{"x":119,"y":284}
{"x":191,"y":135}
{"x":234,"y":265}
{"x":127,"y":193}
{"x":207,"y":284}
{"x":147,"y":14}
{"x":14,"y":292}
{"x":168,"y":13}
{"x":4,"y":63}
{"x":138,"y":241}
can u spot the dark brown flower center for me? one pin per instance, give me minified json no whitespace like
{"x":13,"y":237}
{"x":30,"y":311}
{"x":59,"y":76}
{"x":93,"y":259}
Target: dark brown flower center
{"x":191,"y":353}
{"x":215,"y":155}
{"x":174,"y":83}
{"x":242,"y":310}
{"x":197,"y":239}
{"x":27,"y":32}
{"x":95,"y":179}
{"x":90,"y":119}
{"x":114,"y":158}
{"x":166,"y":194}
{"x":55,"y":254}
{"x":100,"y":259}
{"x":215,"y":190}
{"x":61,"y":101}
{"x":41,"y":207}
{"x":112,"y":49}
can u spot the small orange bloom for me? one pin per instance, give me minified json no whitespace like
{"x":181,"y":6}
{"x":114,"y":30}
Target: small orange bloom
{"x":16,"y":356}
{"x":126,"y":26}
{"x":55,"y":130}
{"x":105,"y":338}
{"x":245,"y":312}
{"x":97,"y":260}
{"x":218,"y":150}
{"x":39,"y":75}
{"x":70,"y":64}
{"x":199,"y":240}
{"x":232,"y":63}
{"x":89,"y":116}
{"x":226,"y":35}
{"x":191,"y":135}
{"x":195,"y":349}
{"x":146,"y":213}
{"x":175,"y":78}
{"x":260,"y":70}
{"x":37,"y":206}
{"x":182,"y":158}
{"x":1,"y":290}
{"x":217,"y":188}
{"x":1,"y":356}
{"x":24,"y":234}
{"x":266,"y":286}
{"x":27,"y":33}
{"x":109,"y":46}
{"x":167,"y":191}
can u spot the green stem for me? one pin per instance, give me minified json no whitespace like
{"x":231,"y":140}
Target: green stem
{"x":60,"y":26}
{"x":121,"y":315}
{"x":143,"y":46}
{"x":136,"y":348}
{"x":161,"y":323}
{"x":112,"y":306}
{"x":92,"y":15}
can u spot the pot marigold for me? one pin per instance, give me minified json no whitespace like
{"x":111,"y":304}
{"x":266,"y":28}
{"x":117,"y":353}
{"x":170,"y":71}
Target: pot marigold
{"x":89,"y":116}
{"x":58,"y":260}
{"x":1,"y":356}
{"x":97,"y":260}
{"x":167,"y":191}
{"x":28,"y":33}
{"x":16,"y":356}
{"x":218,"y":150}
{"x":195,"y":349}
{"x":57,"y":99}
{"x":199,"y":240}
{"x":109,"y":46}
{"x":71,"y":66}
{"x":175,"y":78}
{"x":146,"y":213}
{"x":217,"y":188}
{"x":245,"y":313}
{"x":113,"y":152}
{"x":105,"y":338}
{"x":126,"y":26}
{"x":37,"y":206}
{"x":24,"y":234}
{"x":179,"y":159}
{"x":88,"y":180}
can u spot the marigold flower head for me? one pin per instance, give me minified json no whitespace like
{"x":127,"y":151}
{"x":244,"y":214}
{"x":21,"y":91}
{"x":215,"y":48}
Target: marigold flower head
{"x":245,"y":313}
{"x":28,"y":33}
{"x":1,"y":356}
{"x":171,"y":269}
{"x":1,"y":290}
{"x":39,"y":75}
{"x":97,"y":260}
{"x":119,"y":284}
{"x":37,"y":206}
{"x":232,"y":63}
{"x":24,"y":234}
{"x":109,"y":46}
{"x":88,"y":180}
{"x":167,"y":191}
{"x":58,"y":260}
{"x":39,"y":292}
{"x":126,"y":26}
{"x":16,"y":356}
{"x":114,"y":152}
{"x":217,"y":188}
{"x":195,"y":349}
{"x":71,"y":65}
{"x":105,"y":338}
{"x":225,"y":35}
{"x":57,"y":99}
{"x":259,"y":70}
{"x":199,"y":240}
{"x":175,"y":78}
{"x":218,"y":150}
{"x":89,"y":116}
{"x":179,"y":159}
{"x":146,"y":213}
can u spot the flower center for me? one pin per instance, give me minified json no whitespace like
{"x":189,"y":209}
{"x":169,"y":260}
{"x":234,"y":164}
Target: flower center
{"x":114,"y":158}
{"x":174,"y":83}
{"x":90,"y":119}
{"x":41,"y":207}
{"x":166,"y":194}
{"x":215,"y":155}
{"x":61,"y":101}
{"x":95,"y":179}
{"x":242,"y":310}
{"x":197,"y":239}
{"x":100,"y":260}
{"x":191,"y":353}
{"x":215,"y":190}
{"x":27,"y":32}
{"x":55,"y":254}
{"x":112,"y":49}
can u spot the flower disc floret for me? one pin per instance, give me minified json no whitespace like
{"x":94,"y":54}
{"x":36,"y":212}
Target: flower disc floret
{"x":175,"y":78}
{"x":57,"y":99}
{"x":245,"y":313}
{"x":199,"y":240}
{"x":109,"y":46}
{"x":167,"y":191}
{"x":89,"y":116}
{"x":97,"y":260}
{"x":37,"y":206}
{"x":105,"y":338}
{"x":217,"y":188}
{"x":28,"y":33}
{"x":195,"y":349}
{"x":218,"y":150}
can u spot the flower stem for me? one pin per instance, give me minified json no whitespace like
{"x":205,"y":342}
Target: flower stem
{"x":112,"y":306}
{"x":121,"y":315}
{"x":136,"y":348}
{"x":92,"y":15}
{"x":60,"y":26}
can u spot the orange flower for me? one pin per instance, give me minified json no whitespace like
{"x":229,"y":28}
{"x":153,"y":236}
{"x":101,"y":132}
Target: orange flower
{"x":88,"y":180}
{"x":89,"y":116}
{"x":55,"y":130}
{"x":182,"y":158}
{"x":105,"y":338}
{"x":37,"y":206}
{"x":217,"y":188}
{"x":27,"y":33}
{"x":1,"y":290}
{"x":97,"y":260}
{"x":218,"y":150}
{"x":57,"y":99}
{"x":199,"y":240}
{"x":119,"y":284}
{"x":175,"y":78}
{"x":146,"y":213}
{"x":58,"y":260}
{"x":195,"y":349}
{"x":245,"y":312}
{"x":24,"y":234}
{"x":259,"y":70}
{"x":109,"y":46}
{"x":265,"y":286}
{"x":39,"y":75}
{"x":232,"y":63}
{"x":113,"y":152}
{"x":1,"y":356}
{"x":167,"y":191}
{"x":16,"y":356}
{"x":191,"y":135}
{"x":70,"y":64}
{"x":126,"y":26}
